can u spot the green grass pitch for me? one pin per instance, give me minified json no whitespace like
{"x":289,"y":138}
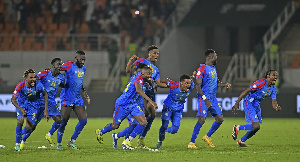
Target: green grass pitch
{"x":278,"y":140}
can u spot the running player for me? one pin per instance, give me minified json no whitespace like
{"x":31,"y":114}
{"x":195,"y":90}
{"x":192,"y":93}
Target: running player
{"x":173,"y":106}
{"x":71,"y":98}
{"x":123,"y":107}
{"x":207,"y":83}
{"x":30,"y":90}
{"x":153,"y":54}
{"x":51,"y":80}
{"x":258,"y":91}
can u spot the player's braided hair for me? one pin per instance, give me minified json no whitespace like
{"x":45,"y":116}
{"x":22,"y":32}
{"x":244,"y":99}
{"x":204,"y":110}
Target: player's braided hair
{"x":209,"y":51}
{"x":268,"y":73}
{"x":152,"y":47}
{"x":27,"y":72}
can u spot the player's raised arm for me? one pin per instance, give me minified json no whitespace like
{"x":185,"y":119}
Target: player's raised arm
{"x":46,"y":115}
{"x":130,"y":66}
{"x":220,"y":84}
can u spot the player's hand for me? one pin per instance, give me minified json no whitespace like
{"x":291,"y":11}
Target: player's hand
{"x":194,"y":74}
{"x":88,"y":99}
{"x":235,"y":107}
{"x":46,"y":115}
{"x":207,"y":103}
{"x":277,"y":108}
{"x":133,"y":58}
{"x":23,"y":111}
{"x":154,"y":105}
{"x":228,"y":85}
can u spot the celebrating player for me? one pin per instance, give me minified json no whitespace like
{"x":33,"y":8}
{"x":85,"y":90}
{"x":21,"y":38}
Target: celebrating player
{"x":125,"y":106}
{"x":259,"y":90}
{"x":207,"y":83}
{"x":51,"y":80}
{"x":29,"y":90}
{"x":71,"y":98}
{"x":173,"y":106}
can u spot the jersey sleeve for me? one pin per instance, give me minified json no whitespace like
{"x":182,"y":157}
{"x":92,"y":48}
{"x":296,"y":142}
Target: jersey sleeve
{"x":138,"y":79}
{"x":274,"y":93}
{"x":258,"y":84}
{"x":40,"y":87}
{"x":67,"y":66}
{"x":192,"y":85}
{"x":172,"y":84}
{"x":157,"y":76}
{"x":42,"y":74}
{"x":138,"y":61}
{"x":200,"y":71}
{"x":18,"y":89}
{"x":84,"y":68}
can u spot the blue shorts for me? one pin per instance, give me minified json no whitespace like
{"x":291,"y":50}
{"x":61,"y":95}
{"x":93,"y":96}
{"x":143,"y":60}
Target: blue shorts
{"x":214,"y":110}
{"x":52,"y":107}
{"x":72,"y":102}
{"x":36,"y":115}
{"x":19,"y":113}
{"x":150,"y":93}
{"x":173,"y":115}
{"x":131,"y":119}
{"x":252,"y":112}
{"x":121,"y":112}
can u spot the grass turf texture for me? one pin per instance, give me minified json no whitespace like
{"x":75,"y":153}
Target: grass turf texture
{"x":278,"y":140}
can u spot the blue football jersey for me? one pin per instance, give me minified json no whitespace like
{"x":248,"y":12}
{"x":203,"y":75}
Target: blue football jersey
{"x":74,"y":80}
{"x":130,"y":91}
{"x":261,"y":90}
{"x":176,"y":97}
{"x":50,"y":82}
{"x":20,"y":97}
{"x":30,"y":95}
{"x":155,"y":71}
{"x":209,"y":77}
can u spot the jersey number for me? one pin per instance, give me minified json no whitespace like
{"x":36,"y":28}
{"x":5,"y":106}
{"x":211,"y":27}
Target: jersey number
{"x":53,"y":83}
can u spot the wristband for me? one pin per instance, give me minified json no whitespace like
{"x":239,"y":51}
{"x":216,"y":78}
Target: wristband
{"x":204,"y":97}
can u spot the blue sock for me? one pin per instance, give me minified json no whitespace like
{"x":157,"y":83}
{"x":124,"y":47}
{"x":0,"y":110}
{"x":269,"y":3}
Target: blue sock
{"x":54,"y":127}
{"x":24,"y":130}
{"x":130,"y":130}
{"x":80,"y":125}
{"x":245,"y":127}
{"x":61,"y":130}
{"x":148,"y":126}
{"x":25,"y":136}
{"x":162,"y":130}
{"x":18,"y":134}
{"x":248,"y":135}
{"x":107,"y":128}
{"x":213,"y":128}
{"x":123,"y":132}
{"x":137,"y":130}
{"x":173,"y":129}
{"x":196,"y":132}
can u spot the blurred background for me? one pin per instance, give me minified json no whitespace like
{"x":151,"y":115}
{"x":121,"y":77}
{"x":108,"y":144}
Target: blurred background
{"x":249,"y":36}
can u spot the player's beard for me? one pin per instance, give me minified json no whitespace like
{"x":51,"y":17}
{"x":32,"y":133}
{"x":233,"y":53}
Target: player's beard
{"x":214,"y":62}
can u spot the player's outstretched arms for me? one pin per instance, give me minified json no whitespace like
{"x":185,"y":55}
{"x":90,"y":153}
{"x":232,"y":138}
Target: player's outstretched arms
{"x":130,"y":62}
{"x":15,"y":103}
{"x":162,"y":83}
{"x":140,"y":91}
{"x":275,"y":105}
{"x":242,"y":95}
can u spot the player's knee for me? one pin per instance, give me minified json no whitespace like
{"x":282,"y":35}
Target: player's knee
{"x":115,"y":126}
{"x":256,"y":127}
{"x":174,"y":129}
{"x":143,"y":122}
{"x":20,"y":122}
{"x":153,"y":115}
{"x":201,"y":120}
{"x":220,"y":120}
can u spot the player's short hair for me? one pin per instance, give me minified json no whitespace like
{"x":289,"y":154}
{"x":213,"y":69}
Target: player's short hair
{"x":141,"y":66}
{"x":54,"y":60}
{"x":146,"y":68}
{"x":184,"y":76}
{"x":209,"y":51}
{"x":80,"y":53}
{"x":26,"y":72}
{"x":269,"y":72}
{"x":152,"y":47}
